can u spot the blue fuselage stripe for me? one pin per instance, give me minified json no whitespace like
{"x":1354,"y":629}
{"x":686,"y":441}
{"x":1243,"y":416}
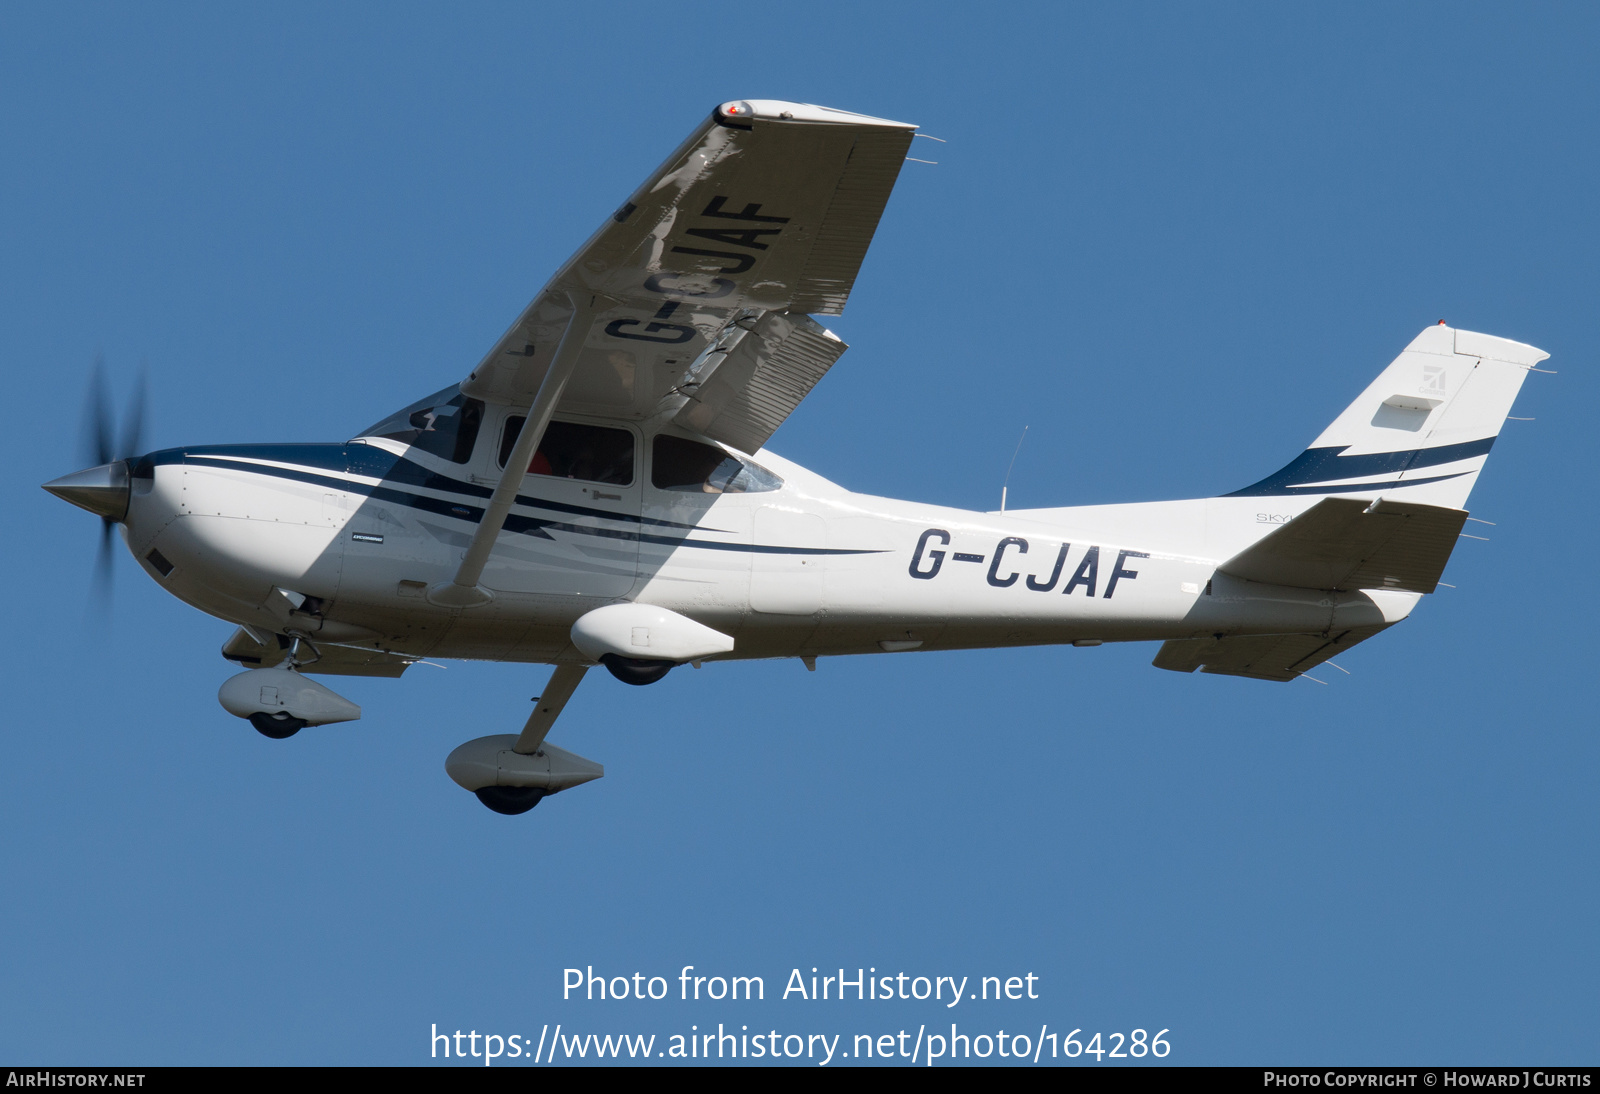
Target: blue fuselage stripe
{"x":311,"y":464}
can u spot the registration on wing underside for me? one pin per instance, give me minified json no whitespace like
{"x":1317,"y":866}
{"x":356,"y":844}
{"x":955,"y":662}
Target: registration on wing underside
{"x":739,"y":223}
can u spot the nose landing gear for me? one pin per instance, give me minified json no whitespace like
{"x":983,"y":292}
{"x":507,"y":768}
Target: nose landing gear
{"x":280,"y":702}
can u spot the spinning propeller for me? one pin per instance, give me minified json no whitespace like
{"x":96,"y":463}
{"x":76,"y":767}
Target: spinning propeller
{"x":104,"y":489}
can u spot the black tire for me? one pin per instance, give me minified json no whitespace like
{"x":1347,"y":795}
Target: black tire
{"x":510,"y":800}
{"x":277,"y":726}
{"x":636,"y":671}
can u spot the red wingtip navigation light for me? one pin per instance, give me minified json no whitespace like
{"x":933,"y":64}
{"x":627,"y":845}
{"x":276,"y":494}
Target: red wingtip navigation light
{"x":737,"y":110}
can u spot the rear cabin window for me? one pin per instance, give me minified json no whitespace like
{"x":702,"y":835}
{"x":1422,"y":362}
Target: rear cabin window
{"x":680,"y":464}
{"x":569,"y":450}
{"x":446,"y":424}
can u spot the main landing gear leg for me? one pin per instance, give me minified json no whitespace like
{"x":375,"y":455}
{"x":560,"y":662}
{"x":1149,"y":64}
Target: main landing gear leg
{"x":513,"y":774}
{"x":548,"y":707}
{"x":512,"y":800}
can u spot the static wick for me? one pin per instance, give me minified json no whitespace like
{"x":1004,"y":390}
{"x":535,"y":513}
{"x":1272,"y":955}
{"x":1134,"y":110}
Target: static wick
{"x":1007,"y":483}
{"x":914,"y":159}
{"x":928,"y":136}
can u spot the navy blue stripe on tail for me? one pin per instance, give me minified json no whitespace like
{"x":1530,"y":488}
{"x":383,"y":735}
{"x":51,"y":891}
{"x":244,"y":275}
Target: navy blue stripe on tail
{"x":1322,"y":465}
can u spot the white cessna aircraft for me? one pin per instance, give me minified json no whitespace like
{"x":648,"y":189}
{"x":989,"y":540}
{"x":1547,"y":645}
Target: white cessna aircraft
{"x":596,"y":490}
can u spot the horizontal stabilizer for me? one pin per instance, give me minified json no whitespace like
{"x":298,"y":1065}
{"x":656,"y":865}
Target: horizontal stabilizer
{"x":244,"y":650}
{"x":1350,"y":543}
{"x":1260,"y":657}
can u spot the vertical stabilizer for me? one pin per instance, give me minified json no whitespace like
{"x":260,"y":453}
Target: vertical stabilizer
{"x":1421,"y":431}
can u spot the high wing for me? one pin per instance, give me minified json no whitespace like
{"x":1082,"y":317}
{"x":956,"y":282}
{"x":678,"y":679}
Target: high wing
{"x":695,"y":293}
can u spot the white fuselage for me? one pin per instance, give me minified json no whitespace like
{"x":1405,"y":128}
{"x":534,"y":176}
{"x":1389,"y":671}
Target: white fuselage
{"x":807,"y":569}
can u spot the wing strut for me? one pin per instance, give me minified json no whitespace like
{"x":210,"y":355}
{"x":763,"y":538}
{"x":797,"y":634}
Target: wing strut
{"x":563,"y":682}
{"x":463,"y":590}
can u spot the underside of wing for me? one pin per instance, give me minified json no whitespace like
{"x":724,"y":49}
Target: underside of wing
{"x":698,"y":287}
{"x":1262,"y":657}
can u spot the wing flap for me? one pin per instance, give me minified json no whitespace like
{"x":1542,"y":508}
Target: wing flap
{"x":1350,"y":543}
{"x":1278,"y":657}
{"x":761,"y":380}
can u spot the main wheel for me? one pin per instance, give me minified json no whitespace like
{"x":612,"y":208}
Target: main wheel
{"x":510,"y":800}
{"x":636,"y":670}
{"x":277,"y":726}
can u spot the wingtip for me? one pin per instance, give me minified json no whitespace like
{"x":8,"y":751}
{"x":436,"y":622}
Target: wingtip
{"x":779,"y":110}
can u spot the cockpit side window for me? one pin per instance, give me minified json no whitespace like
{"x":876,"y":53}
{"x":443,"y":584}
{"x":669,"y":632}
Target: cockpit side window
{"x":446,"y":424}
{"x":677,"y":463}
{"x":570,"y":450}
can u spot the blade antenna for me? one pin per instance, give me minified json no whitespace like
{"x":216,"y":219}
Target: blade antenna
{"x":1013,"y":463}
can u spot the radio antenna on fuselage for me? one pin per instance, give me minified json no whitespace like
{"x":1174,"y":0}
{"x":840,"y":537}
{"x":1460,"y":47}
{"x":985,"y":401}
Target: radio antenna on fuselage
{"x":1013,"y":463}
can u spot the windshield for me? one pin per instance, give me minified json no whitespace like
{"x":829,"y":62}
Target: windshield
{"x":445,"y":424}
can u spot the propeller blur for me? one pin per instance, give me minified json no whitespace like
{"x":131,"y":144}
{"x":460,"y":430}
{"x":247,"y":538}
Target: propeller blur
{"x":103,"y":489}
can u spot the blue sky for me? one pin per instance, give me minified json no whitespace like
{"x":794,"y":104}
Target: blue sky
{"x":1173,"y":240}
